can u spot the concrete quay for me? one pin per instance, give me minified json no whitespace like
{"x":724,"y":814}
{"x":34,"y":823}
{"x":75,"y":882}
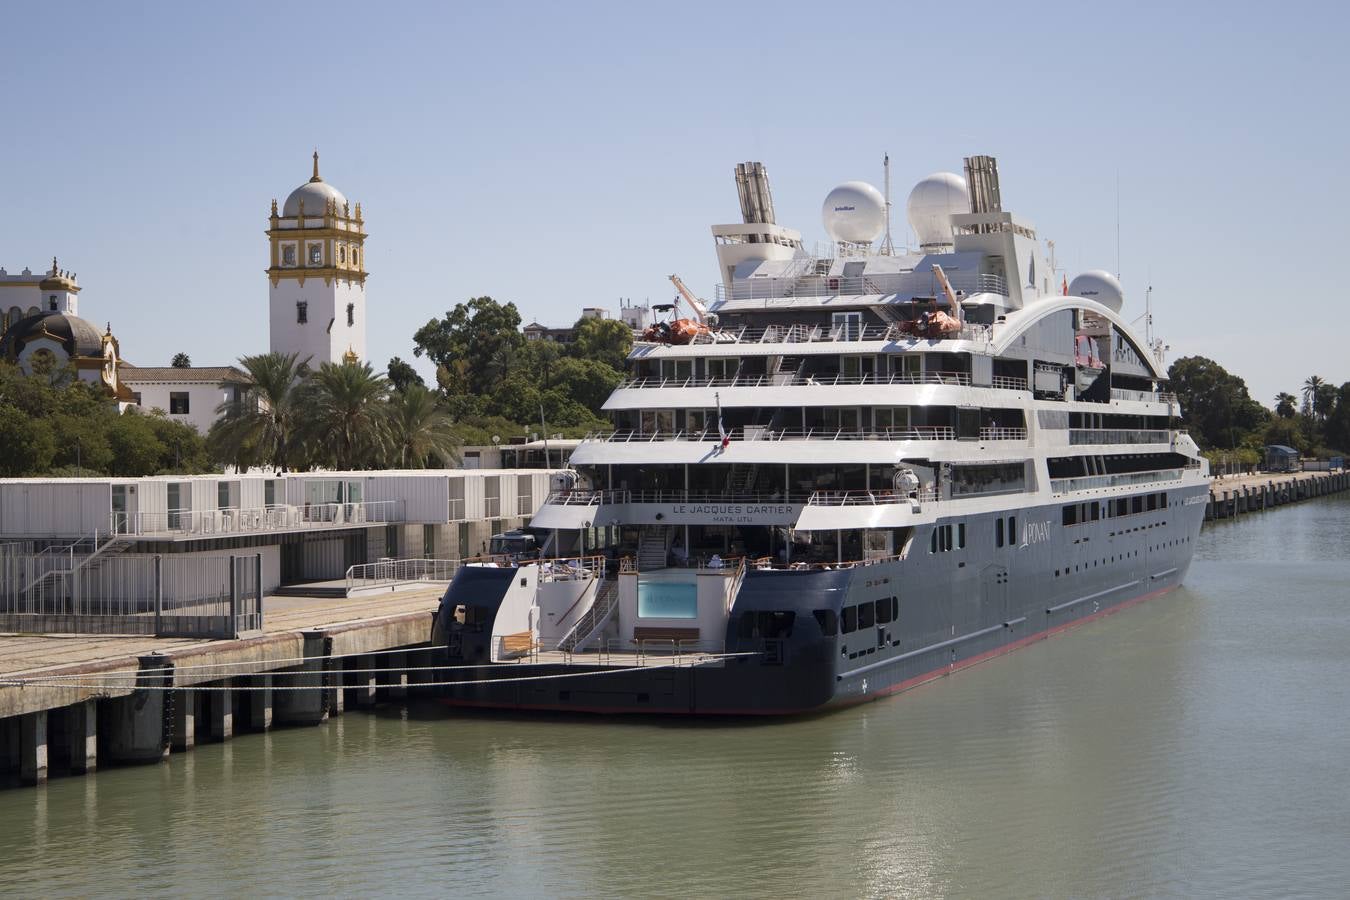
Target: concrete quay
{"x":201,"y":690}
{"x":1236,"y":496}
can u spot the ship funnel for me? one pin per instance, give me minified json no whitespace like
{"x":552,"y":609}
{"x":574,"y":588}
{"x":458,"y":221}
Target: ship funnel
{"x":982,"y":182}
{"x":752,"y":183}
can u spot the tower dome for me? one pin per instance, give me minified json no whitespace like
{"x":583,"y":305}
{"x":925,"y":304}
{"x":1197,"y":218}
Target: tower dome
{"x":931,"y":206}
{"x":315,"y":194}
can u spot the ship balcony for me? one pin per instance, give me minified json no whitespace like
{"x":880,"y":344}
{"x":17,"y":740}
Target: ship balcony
{"x":1079,"y":436}
{"x":903,"y":284}
{"x":814,"y":334}
{"x":790,"y":379}
{"x":764,"y":433}
{"x":1122,"y":480}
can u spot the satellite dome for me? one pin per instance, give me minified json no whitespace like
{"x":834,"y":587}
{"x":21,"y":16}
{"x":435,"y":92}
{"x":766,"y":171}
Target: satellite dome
{"x":931,"y":206}
{"x":1101,"y":286}
{"x":855,"y":213}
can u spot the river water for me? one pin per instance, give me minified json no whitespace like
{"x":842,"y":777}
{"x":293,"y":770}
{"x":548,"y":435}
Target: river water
{"x":1197,"y":744}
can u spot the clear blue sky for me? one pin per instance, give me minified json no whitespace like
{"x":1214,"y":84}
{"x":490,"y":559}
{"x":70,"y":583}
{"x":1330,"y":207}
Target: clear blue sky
{"x":564,"y":155}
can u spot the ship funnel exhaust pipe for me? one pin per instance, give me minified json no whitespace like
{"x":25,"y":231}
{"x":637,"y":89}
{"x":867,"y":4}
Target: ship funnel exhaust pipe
{"x":982,"y":181}
{"x":752,"y":183}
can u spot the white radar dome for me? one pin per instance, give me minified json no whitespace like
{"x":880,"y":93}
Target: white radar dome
{"x":1101,"y":286}
{"x":932,"y":204}
{"x":854,"y":212}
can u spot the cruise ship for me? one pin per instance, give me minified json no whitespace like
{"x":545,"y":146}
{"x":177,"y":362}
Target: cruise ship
{"x":851,"y":470}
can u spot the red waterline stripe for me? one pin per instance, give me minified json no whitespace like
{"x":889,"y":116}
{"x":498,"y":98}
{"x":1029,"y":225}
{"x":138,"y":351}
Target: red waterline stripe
{"x":907,"y":684}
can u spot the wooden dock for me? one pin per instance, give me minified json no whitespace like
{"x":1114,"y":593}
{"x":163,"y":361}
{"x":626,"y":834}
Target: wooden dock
{"x":101,"y":718}
{"x":1238,"y":495}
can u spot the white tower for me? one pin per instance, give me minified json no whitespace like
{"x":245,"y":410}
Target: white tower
{"x":318,"y":275}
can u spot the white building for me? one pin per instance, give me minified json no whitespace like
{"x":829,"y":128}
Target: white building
{"x":317,"y":274}
{"x":306,"y":526}
{"x":42,"y":330}
{"x":187,"y":394}
{"x":25,"y":295}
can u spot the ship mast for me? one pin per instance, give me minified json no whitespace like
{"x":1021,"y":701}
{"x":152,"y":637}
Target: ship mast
{"x":887,"y":248}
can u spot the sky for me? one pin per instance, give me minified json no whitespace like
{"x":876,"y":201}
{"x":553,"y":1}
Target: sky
{"x":563,"y":155}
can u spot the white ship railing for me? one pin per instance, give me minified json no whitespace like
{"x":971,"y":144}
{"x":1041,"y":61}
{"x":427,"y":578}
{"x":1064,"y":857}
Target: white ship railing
{"x":869,"y":498}
{"x":1118,"y":436}
{"x":764,"y":433}
{"x":788,"y":379}
{"x":595,"y":498}
{"x":907,"y":284}
{"x":808,"y":334}
{"x":1090,"y":482}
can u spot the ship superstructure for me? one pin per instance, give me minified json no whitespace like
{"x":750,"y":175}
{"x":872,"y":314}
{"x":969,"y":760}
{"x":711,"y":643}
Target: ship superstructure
{"x":848,"y":471}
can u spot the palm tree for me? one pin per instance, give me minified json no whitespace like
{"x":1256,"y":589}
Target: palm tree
{"x":263,"y":424}
{"x":344,"y":414}
{"x":1286,"y":405}
{"x":1310,"y":389}
{"x":419,"y":431}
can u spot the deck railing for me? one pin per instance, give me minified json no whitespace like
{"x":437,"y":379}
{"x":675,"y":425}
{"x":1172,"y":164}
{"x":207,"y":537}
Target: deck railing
{"x":392,"y":573}
{"x":765,"y":433}
{"x":1124,"y":479}
{"x":1119,"y":436}
{"x":828,"y":379}
{"x":905,"y":284}
{"x":255,"y":519}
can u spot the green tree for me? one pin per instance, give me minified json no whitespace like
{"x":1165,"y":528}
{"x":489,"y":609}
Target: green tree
{"x":136,"y":448}
{"x":181,"y":361}
{"x":587,"y":381}
{"x":263,"y":426}
{"x":474,"y":347}
{"x":401,"y":375}
{"x":605,"y":341}
{"x":345,"y":417}
{"x":1338,"y":420}
{"x":27,"y":445}
{"x":1311,"y":386}
{"x":184,"y":447}
{"x":1215,"y":404}
{"x":419,"y":431}
{"x":1286,"y":405}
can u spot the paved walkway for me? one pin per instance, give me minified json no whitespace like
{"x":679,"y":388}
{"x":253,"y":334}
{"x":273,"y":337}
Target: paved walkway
{"x":28,"y":653}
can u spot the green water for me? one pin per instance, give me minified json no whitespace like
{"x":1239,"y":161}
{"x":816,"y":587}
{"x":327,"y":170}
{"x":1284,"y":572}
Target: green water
{"x":1196,"y":745}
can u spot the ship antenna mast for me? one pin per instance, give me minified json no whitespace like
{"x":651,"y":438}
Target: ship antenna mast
{"x":887,"y":248}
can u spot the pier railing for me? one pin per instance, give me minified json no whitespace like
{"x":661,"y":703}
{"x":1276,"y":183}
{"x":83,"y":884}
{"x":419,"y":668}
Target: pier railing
{"x":110,"y":592}
{"x":389,"y":574}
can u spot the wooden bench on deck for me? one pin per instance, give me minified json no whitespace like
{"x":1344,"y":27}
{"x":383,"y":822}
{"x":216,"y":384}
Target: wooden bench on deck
{"x":522,"y":643}
{"x":643,"y":634}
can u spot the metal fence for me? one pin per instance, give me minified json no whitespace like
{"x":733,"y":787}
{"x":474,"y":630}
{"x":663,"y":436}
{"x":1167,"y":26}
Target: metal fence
{"x":123,"y":593}
{"x":390,"y":574}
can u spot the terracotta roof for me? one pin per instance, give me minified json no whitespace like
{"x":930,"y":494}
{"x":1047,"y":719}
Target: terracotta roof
{"x":192,"y":375}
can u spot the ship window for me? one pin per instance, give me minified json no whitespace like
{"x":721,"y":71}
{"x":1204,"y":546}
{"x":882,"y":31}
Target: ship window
{"x":998,"y":532}
{"x":887,"y":610}
{"x":849,"y":620}
{"x":1012,"y":529}
{"x":1096,"y":511}
{"x":867,"y":616}
{"x":1137,"y":504}
{"x":1069,"y":515}
{"x":847,"y":326}
{"x":932,"y":542}
{"x":827,"y":620}
{"x":961,"y":536}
